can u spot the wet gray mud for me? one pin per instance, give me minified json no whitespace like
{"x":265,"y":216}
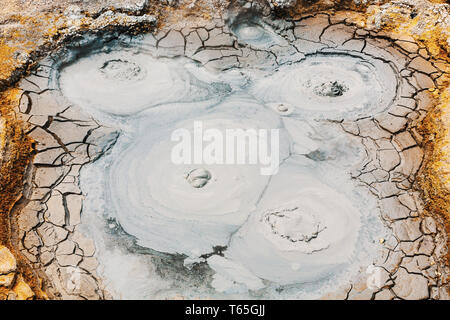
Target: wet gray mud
{"x":112,"y":216}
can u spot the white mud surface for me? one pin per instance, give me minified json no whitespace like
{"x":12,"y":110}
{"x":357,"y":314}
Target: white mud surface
{"x":308,"y":223}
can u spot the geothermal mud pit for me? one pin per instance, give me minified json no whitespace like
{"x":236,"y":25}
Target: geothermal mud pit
{"x":110,"y":215}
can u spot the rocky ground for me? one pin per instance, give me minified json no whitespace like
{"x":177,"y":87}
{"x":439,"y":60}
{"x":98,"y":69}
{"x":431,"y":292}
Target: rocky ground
{"x":46,"y":227}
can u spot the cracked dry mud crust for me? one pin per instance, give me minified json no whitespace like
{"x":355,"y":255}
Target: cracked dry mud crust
{"x":66,"y":138}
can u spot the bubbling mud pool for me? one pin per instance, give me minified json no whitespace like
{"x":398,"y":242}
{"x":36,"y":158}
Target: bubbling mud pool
{"x":164,"y":230}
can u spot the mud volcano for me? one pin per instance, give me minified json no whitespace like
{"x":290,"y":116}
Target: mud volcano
{"x":112,"y":216}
